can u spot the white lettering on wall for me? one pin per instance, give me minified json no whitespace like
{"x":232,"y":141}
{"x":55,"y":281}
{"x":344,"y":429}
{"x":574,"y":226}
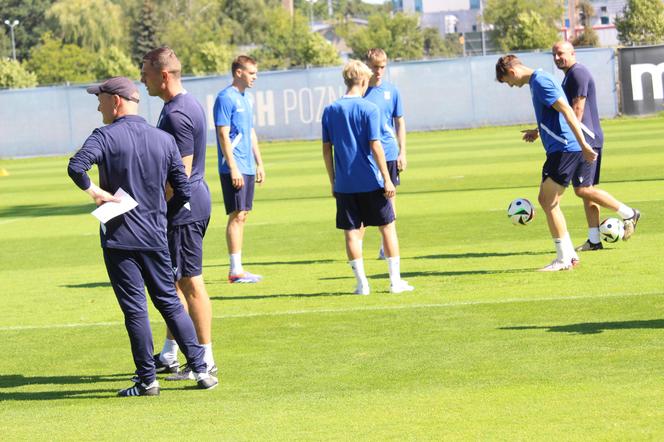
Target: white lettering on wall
{"x":655,"y":71}
{"x":265,"y":108}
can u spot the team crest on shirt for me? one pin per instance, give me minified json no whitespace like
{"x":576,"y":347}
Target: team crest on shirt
{"x":387,"y":95}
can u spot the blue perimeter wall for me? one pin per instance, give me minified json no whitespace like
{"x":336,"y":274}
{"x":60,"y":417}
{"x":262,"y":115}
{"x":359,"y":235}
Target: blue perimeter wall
{"x":439,"y":94}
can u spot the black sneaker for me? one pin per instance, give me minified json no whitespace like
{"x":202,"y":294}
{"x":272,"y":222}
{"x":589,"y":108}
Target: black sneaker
{"x":171,"y":367}
{"x":206,"y":381}
{"x":187,"y":374}
{"x":630,"y":224}
{"x":589,"y":245}
{"x":140,"y":389}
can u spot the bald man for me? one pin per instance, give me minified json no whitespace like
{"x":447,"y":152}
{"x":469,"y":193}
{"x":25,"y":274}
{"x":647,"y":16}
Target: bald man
{"x":579,"y":88}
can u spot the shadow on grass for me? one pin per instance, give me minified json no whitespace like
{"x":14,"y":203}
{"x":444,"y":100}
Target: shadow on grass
{"x":87,"y":285}
{"x":479,"y":255}
{"x":39,"y":210}
{"x":294,"y":295}
{"x":17,"y":380}
{"x":590,"y":328}
{"x":437,"y":273}
{"x":275,"y":263}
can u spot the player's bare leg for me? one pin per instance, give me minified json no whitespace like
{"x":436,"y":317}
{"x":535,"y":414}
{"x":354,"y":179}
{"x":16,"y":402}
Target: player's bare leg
{"x":234,"y":239}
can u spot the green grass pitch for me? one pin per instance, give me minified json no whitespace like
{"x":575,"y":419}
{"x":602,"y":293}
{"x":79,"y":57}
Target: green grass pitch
{"x":485,"y":348}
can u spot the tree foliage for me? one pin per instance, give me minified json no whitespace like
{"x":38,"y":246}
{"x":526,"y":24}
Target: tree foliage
{"x":523,"y":24}
{"x":399,"y":36}
{"x":288,"y":42}
{"x":13,"y":75}
{"x":113,"y":62}
{"x":90,"y":24}
{"x":589,"y":37}
{"x":642,"y":22}
{"x":144,"y":31}
{"x":437,"y":46}
{"x":31,"y":15}
{"x":211,"y":58}
{"x":56,"y":63}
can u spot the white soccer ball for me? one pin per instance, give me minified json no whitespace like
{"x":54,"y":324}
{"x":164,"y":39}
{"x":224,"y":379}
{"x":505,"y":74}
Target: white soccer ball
{"x":520,"y":211}
{"x":611,"y":230}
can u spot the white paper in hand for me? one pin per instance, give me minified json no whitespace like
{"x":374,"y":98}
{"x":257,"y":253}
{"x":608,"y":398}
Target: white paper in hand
{"x":110,"y":210}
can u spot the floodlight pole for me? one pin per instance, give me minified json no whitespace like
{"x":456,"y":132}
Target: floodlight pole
{"x":11,"y":31}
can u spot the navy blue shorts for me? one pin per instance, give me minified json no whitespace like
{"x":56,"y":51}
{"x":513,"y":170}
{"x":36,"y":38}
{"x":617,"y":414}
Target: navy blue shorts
{"x":185,"y":244}
{"x":394,"y":172}
{"x":566,"y":167}
{"x":355,"y":210}
{"x":236,"y":200}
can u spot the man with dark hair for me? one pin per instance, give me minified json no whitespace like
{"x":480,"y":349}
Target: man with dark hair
{"x":240,"y":162}
{"x":579,"y":87}
{"x":139,"y":159}
{"x":393,"y":125}
{"x":184,"y":118}
{"x":568,"y":155}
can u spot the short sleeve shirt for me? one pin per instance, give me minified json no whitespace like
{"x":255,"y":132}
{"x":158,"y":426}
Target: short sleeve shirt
{"x":235,"y":109}
{"x":554,"y":131}
{"x":350,"y":123}
{"x":184,"y":118}
{"x":387,"y":98}
{"x":578,"y":82}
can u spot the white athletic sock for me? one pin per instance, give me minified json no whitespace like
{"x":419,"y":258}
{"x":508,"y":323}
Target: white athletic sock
{"x":358,"y":270}
{"x":625,"y":212}
{"x":236,"y":263}
{"x":560,"y":252}
{"x":570,"y":253}
{"x":208,"y":358}
{"x":169,"y":353}
{"x":393,"y":267}
{"x":593,"y":235}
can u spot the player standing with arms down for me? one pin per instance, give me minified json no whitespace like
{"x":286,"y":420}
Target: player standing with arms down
{"x":393,"y":126}
{"x":579,"y":88}
{"x":140,"y":159}
{"x":359,"y":179}
{"x":184,"y":118}
{"x":240,"y":162}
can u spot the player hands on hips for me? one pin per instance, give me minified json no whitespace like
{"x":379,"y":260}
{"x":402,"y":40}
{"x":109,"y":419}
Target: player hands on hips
{"x":359,"y":179}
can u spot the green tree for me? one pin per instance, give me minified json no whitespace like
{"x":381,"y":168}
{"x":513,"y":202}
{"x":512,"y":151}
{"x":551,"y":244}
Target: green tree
{"x":13,"y":75}
{"x":31,"y":15}
{"x":90,"y":24}
{"x":144,"y":31}
{"x":437,"y":46}
{"x":113,"y":62}
{"x":642,"y":22}
{"x":399,"y":36}
{"x":55,"y":62}
{"x":523,"y":24}
{"x":289,"y":43}
{"x":211,"y":58}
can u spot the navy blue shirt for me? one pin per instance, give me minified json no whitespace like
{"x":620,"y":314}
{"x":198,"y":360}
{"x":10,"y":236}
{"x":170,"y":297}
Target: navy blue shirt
{"x":133,"y":155}
{"x":184,"y":118}
{"x":350,"y":123}
{"x":579,"y":83}
{"x":555,"y":133}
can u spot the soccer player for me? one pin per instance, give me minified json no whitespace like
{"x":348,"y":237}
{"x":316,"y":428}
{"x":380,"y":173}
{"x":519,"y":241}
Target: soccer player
{"x":240,"y":162}
{"x":579,"y":88}
{"x":358,"y":174}
{"x":184,"y":118}
{"x":568,"y":156}
{"x":140,"y":159}
{"x":392,"y":126}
